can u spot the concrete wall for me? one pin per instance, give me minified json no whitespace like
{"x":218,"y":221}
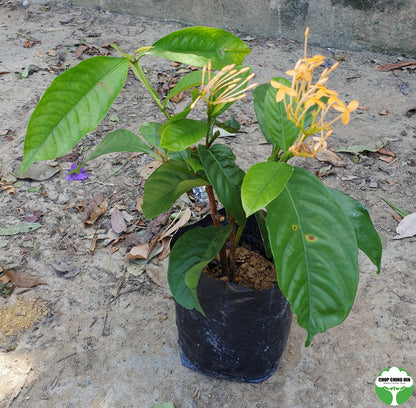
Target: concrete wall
{"x":376,"y":25}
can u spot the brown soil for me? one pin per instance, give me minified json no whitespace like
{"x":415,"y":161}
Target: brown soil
{"x":252,"y":270}
{"x":21,"y":314}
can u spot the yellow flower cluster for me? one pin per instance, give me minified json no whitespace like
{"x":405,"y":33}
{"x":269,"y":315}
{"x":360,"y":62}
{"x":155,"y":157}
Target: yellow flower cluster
{"x":226,"y":86}
{"x":307,"y":104}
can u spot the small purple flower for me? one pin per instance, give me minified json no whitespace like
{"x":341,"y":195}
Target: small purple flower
{"x":80,"y":175}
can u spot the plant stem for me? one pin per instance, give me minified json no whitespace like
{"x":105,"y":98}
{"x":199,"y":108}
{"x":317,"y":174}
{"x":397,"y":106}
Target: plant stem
{"x":217,"y":223}
{"x":231,"y":270}
{"x":139,"y":73}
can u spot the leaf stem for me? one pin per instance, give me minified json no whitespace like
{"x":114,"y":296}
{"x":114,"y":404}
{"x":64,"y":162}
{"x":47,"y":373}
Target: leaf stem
{"x":139,"y":73}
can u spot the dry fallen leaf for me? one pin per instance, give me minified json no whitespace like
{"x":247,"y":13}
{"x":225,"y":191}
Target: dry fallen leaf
{"x":97,"y":213}
{"x":4,"y":279}
{"x":147,"y":170}
{"x":390,"y":67}
{"x":383,"y":112}
{"x":177,"y":223}
{"x":387,"y":159}
{"x":95,"y":209}
{"x":65,"y":267}
{"x":139,"y":203}
{"x":406,"y":227}
{"x":23,"y":279}
{"x":381,"y":150}
{"x":328,"y":156}
{"x":177,"y":98}
{"x":138,"y":251}
{"x":118,"y":224}
{"x":165,"y":248}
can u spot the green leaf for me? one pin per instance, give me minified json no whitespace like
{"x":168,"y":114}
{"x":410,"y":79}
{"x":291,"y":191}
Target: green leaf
{"x":120,"y":140}
{"x":315,"y":252}
{"x":183,"y":155}
{"x":165,"y":185}
{"x":150,"y":133}
{"x":165,"y":405}
{"x":191,"y":80}
{"x":179,"y":134}
{"x":261,"y":222}
{"x":367,"y":237}
{"x":259,"y":95}
{"x":262,"y":184}
{"x":73,"y":105}
{"x":20,"y":228}
{"x":398,"y":210}
{"x":225,"y":177}
{"x":231,"y":125}
{"x":281,"y":130}
{"x":198,"y":45}
{"x":192,"y":251}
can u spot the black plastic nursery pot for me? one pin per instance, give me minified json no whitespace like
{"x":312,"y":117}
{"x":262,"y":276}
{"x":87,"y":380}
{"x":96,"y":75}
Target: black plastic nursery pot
{"x":244,"y":333}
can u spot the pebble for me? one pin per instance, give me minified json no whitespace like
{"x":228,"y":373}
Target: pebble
{"x":63,"y":198}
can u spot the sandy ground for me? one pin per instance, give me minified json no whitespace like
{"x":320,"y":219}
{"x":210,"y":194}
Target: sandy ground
{"x":107,"y":337}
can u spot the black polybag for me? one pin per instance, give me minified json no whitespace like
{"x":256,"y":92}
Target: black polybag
{"x":244,"y":331}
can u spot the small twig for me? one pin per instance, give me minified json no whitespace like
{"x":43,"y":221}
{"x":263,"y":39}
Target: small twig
{"x":64,"y":358}
{"x":56,"y":379}
{"x":104,"y":332}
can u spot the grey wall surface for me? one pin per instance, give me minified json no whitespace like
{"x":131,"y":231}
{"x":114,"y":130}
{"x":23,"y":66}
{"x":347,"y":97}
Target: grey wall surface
{"x":376,"y":25}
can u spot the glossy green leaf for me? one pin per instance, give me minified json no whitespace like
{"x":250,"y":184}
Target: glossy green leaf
{"x":165,"y":185}
{"x":225,"y":177}
{"x":231,"y":125}
{"x":191,"y":80}
{"x":262,"y":184}
{"x":73,"y":105}
{"x":259,"y":95}
{"x":150,"y":133}
{"x":315,"y":252}
{"x":261,"y":222}
{"x":120,"y":140}
{"x":367,"y":237}
{"x":191,"y":252}
{"x":281,"y":130}
{"x":198,"y":45}
{"x":183,"y":155}
{"x":179,"y":134}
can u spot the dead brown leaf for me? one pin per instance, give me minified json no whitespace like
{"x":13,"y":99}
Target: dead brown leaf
{"x":139,"y":251}
{"x":4,"y":279}
{"x":329,"y":156}
{"x":383,"y":112}
{"x":147,"y":170}
{"x":387,"y":159}
{"x":166,"y":248}
{"x":118,"y":224}
{"x":385,"y":152}
{"x":94,"y":213}
{"x":23,"y":279}
{"x":90,"y":49}
{"x":177,"y":98}
{"x":30,"y":44}
{"x":139,"y":203}
{"x":9,"y":189}
{"x":390,"y":67}
{"x":176,"y":224}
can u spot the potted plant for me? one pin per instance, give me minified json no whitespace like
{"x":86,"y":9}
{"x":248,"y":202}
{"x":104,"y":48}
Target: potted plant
{"x":312,"y":232}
